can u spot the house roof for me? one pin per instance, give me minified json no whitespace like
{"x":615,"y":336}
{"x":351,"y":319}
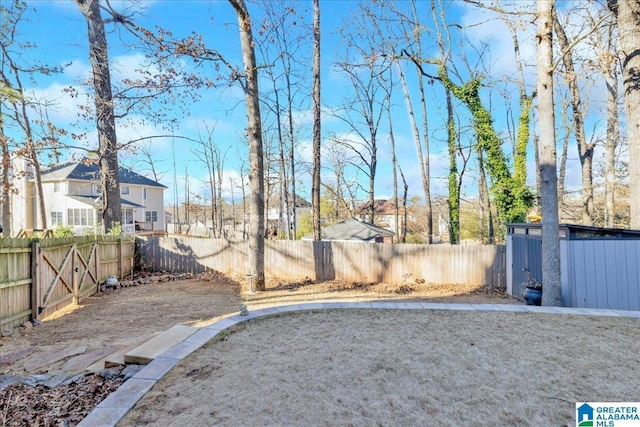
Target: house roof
{"x":354,"y":230}
{"x":380,"y":207}
{"x":274,"y":199}
{"x":83,"y":171}
{"x":96,"y":201}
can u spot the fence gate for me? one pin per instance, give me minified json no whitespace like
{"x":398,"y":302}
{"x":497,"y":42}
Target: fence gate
{"x":64,"y":275}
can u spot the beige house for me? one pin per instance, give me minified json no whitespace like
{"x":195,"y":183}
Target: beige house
{"x":72,"y":197}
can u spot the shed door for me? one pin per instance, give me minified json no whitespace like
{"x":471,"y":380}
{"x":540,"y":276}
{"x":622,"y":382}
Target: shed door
{"x":527,"y":252}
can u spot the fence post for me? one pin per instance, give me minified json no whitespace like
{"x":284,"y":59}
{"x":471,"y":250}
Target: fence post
{"x":74,"y":273}
{"x":96,"y":257}
{"x":35,"y":279}
{"x":120,"y":261}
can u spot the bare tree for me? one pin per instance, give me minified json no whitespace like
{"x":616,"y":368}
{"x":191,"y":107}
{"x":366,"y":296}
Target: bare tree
{"x":550,"y":241}
{"x":283,"y":46}
{"x":627,"y":14}
{"x":105,"y":119}
{"x":363,"y":108}
{"x":211,"y":156}
{"x":19,"y":109}
{"x":610,"y":68}
{"x":6,"y":185}
{"x":412,"y":31}
{"x":254,"y":131}
{"x":341,"y":190}
{"x":585,"y":149}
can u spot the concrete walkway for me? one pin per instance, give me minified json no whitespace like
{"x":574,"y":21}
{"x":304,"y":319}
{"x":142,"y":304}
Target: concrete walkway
{"x":111,"y":410}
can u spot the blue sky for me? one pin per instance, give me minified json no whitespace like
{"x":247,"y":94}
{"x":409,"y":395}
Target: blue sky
{"x":59,"y":32}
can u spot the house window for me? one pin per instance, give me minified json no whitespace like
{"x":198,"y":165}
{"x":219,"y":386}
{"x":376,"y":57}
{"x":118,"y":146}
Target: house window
{"x":56,"y":187}
{"x":151,"y":216}
{"x":124,"y":190}
{"x":81,"y":217}
{"x":127,"y":216}
{"x":144,"y":194}
{"x":56,"y":218}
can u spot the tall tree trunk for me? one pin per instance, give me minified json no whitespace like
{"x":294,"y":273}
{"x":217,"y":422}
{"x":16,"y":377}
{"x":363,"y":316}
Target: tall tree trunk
{"x":254,"y":130}
{"x":315,"y":185}
{"x":628,"y":16}
{"x":613,"y":136}
{"x":5,"y":184}
{"x":394,"y":159}
{"x":485,"y":208}
{"x":551,"y":294}
{"x":105,"y":119}
{"x":536,"y":159}
{"x":563,"y":156}
{"x":425,"y":163}
{"x":283,"y":185}
{"x":585,"y":150}
{"x":176,"y":204}
{"x":405,"y":187}
{"x":422,"y":161}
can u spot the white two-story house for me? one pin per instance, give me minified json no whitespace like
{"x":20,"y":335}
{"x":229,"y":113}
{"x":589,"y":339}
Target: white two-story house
{"x":72,"y":197}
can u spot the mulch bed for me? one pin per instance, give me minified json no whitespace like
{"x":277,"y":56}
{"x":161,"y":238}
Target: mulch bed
{"x":63,"y":405}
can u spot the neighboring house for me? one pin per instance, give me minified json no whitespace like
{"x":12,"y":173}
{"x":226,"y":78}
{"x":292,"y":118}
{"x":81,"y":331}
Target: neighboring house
{"x":353,"y":230}
{"x":274,"y":208}
{"x":73,"y":197}
{"x":384,"y":214}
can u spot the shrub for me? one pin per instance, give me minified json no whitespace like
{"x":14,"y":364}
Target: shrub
{"x":116,"y":229}
{"x":63,"y":231}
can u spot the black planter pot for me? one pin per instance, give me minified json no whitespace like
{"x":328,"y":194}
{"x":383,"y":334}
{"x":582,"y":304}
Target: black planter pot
{"x":532,"y":296}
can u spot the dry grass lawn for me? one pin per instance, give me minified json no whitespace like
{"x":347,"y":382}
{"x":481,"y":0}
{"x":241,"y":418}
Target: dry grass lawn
{"x":404,"y":367}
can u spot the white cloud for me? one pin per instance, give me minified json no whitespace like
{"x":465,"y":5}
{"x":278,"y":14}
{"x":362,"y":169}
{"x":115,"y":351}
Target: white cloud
{"x":62,"y":101}
{"x":77,"y":70}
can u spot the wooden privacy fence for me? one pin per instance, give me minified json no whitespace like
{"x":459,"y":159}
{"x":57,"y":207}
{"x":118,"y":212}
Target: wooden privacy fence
{"x":358,"y":262}
{"x":39,"y":277}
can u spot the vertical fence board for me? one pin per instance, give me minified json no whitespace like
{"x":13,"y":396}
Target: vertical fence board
{"x":15,"y":282}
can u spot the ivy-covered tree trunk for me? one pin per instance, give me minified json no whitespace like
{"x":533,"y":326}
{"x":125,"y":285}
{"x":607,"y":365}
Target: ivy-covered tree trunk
{"x":454,"y":194}
{"x":105,"y":119}
{"x":520,"y":158}
{"x":512,"y":199}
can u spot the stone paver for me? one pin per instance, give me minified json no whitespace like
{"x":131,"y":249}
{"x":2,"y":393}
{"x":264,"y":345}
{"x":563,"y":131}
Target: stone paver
{"x":117,"y":404}
{"x":156,"y":346}
{"x":156,"y":369}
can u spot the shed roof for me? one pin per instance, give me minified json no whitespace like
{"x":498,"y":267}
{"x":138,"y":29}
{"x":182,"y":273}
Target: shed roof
{"x":575,"y":231}
{"x":352,"y":230}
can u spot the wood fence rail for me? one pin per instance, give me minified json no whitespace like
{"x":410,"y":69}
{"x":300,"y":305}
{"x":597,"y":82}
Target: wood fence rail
{"x":358,"y":262}
{"x":39,"y":277}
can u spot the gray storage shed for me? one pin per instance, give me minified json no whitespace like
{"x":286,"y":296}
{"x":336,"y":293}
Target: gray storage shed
{"x":600,"y":267}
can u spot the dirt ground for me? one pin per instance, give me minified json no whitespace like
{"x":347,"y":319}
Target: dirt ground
{"x":123,"y":317}
{"x":399,"y":368}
